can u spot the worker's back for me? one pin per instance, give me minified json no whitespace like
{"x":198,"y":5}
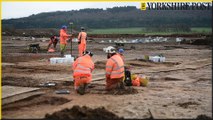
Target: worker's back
{"x":115,"y":67}
{"x":82,"y":37}
{"x":83,"y":66}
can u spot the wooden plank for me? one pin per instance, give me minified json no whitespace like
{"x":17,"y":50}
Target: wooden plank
{"x":8,"y":91}
{"x":12,"y":93}
{"x":21,"y":96}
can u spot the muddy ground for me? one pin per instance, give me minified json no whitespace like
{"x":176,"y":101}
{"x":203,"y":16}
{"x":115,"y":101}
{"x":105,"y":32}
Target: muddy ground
{"x":181,"y":87}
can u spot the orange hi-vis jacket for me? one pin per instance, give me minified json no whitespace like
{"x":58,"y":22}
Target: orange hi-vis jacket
{"x":115,"y":67}
{"x":122,"y":56}
{"x":82,"y":37}
{"x":63,"y":37}
{"x":83,"y":66}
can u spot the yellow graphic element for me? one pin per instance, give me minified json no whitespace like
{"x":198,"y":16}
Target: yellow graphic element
{"x":143,"y":6}
{"x":174,"y":0}
{"x":106,"y":1}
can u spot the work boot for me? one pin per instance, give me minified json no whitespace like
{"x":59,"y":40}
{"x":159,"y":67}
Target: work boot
{"x":86,"y":88}
{"x":81,"y":89}
{"x":122,"y":86}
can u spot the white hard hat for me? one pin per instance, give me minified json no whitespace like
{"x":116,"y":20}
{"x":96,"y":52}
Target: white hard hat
{"x":110,"y":49}
{"x":82,"y":28}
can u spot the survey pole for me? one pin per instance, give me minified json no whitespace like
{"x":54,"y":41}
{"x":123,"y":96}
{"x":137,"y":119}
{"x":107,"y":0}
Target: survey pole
{"x":71,"y":25}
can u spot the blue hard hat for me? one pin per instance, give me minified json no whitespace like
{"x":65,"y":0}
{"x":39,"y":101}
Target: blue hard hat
{"x":64,"y":27}
{"x":121,"y":50}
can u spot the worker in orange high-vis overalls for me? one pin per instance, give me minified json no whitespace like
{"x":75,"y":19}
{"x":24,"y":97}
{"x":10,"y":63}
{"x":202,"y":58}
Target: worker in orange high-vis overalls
{"x":82,"y":37}
{"x":82,"y":72}
{"x":63,"y":39}
{"x":114,"y":70}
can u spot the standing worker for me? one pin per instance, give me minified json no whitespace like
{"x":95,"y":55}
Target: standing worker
{"x":114,"y":70}
{"x":82,"y":72}
{"x":63,"y":39}
{"x":54,"y":41}
{"x":82,"y":37}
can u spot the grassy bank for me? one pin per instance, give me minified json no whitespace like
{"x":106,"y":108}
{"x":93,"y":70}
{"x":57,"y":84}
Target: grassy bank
{"x":203,"y":30}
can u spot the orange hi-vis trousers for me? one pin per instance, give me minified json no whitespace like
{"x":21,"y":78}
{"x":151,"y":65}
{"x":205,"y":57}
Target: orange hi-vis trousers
{"x":81,"y":49}
{"x":79,"y":80}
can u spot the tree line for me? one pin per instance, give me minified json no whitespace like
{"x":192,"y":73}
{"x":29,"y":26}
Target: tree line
{"x":117,"y":17}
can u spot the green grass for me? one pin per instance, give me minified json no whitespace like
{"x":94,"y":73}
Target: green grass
{"x":203,"y":30}
{"x":117,"y":31}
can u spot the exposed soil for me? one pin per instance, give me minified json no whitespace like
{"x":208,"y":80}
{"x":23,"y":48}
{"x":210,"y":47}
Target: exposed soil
{"x":187,"y":104}
{"x":36,"y":101}
{"x":100,"y":64}
{"x":179,"y":88}
{"x":39,"y":69}
{"x":20,"y":81}
{"x":84,"y":112}
{"x":126,"y":91}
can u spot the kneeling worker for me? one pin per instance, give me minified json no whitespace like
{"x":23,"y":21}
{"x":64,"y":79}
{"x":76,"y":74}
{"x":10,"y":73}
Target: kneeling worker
{"x":114,"y":70}
{"x":82,"y":72}
{"x":53,"y":40}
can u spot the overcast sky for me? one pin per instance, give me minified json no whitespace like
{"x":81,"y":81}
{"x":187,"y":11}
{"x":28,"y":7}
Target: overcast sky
{"x":24,"y":9}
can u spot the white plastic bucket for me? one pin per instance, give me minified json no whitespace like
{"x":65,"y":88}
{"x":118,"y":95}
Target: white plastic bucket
{"x":69,"y":60}
{"x":52,"y":61}
{"x":60,"y":60}
{"x":157,"y":59}
{"x":154,"y":58}
{"x":67,"y":56}
{"x":162,"y":59}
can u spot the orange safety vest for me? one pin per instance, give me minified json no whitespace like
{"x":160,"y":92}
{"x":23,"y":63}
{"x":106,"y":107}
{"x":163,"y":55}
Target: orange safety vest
{"x":82,"y":36}
{"x":122,"y":56}
{"x":115,"y":67}
{"x":63,"y":37}
{"x":83,"y":66}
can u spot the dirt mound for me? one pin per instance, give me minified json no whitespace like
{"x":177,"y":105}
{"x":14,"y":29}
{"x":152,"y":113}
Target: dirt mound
{"x":207,"y":41}
{"x":127,"y":90}
{"x":203,"y":117}
{"x":36,"y":101}
{"x":84,"y":112}
{"x":52,"y":101}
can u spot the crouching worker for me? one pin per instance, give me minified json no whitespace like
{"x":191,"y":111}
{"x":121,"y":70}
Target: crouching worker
{"x":114,"y":70}
{"x":53,"y":40}
{"x":82,"y":72}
